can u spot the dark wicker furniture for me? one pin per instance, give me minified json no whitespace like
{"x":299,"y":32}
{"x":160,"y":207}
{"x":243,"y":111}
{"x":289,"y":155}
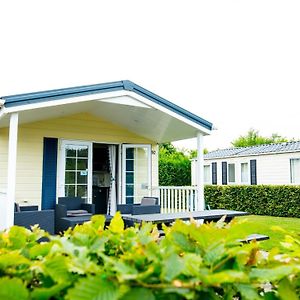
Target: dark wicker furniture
{"x":30,"y":215}
{"x":149,"y":205}
{"x":65,"y":212}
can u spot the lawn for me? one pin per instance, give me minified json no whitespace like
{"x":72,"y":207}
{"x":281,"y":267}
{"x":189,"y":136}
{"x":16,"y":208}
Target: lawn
{"x":263,"y":225}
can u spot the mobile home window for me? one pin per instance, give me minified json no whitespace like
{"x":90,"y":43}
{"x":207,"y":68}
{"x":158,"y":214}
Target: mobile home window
{"x":231,"y":172}
{"x":295,"y":170}
{"x":244,"y":173}
{"x":207,"y":174}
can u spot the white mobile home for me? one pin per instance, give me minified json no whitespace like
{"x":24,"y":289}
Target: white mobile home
{"x":274,"y":164}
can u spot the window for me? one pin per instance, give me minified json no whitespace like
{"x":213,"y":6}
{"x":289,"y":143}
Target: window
{"x":295,"y":170}
{"x":244,"y":173}
{"x":231,"y":172}
{"x":207,"y":174}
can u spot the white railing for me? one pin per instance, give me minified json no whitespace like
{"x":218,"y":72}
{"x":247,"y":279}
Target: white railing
{"x":176,"y":198}
{"x":3,"y":209}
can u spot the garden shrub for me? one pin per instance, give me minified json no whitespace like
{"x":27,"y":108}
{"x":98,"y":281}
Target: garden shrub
{"x":190,"y":262}
{"x":174,"y":167}
{"x":271,"y":200}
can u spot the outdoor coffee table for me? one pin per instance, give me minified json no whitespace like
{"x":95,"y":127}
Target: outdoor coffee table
{"x":168,"y":218}
{"x":73,"y":221}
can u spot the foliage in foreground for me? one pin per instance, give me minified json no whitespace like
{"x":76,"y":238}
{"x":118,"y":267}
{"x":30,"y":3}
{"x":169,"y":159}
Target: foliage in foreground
{"x":191,"y":262}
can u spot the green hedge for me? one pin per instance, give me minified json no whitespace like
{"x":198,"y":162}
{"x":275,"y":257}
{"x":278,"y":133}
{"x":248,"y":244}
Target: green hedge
{"x":174,"y":170}
{"x":279,"y":201}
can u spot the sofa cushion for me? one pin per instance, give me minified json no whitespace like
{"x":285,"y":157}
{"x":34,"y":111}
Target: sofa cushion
{"x":149,"y":201}
{"x":77,"y":212}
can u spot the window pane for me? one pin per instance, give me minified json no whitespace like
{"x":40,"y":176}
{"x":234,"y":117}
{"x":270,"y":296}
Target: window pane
{"x":82,"y":151}
{"x":70,"y":190}
{"x":129,"y":190}
{"x":244,"y":172}
{"x":129,"y":153}
{"x":82,"y":164}
{"x":82,"y":177}
{"x":129,"y":165}
{"x":71,"y":164}
{"x":70,"y":177}
{"x":295,"y":170}
{"x":129,"y":177}
{"x":231,"y":173}
{"x":70,"y":152}
{"x":207,"y":174}
{"x":129,"y":200}
{"x":82,"y":191}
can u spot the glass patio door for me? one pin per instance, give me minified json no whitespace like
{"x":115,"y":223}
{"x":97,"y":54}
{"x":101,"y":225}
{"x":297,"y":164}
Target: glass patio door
{"x":136,"y":173}
{"x":75,"y":176}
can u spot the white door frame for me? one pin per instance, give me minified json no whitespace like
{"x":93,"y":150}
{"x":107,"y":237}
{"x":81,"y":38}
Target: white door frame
{"x":124,"y":147}
{"x":61,"y":167}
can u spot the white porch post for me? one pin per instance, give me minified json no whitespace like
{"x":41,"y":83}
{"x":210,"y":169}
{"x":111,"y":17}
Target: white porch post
{"x":12,"y":166}
{"x":200,"y":205}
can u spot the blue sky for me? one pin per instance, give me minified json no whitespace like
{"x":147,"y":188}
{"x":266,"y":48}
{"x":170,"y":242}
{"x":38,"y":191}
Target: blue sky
{"x":235,"y":63}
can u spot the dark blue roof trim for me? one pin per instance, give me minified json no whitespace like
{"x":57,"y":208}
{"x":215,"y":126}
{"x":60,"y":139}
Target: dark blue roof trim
{"x":23,"y":99}
{"x":44,"y":96}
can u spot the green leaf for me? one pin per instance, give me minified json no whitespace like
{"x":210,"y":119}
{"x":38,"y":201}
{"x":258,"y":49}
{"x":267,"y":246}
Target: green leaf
{"x":125,"y":271}
{"x":227,"y":276}
{"x":47,"y":293}
{"x":12,"y":259}
{"x":271,"y":274}
{"x":192,"y":264}
{"x":247,"y":292}
{"x":17,"y":236}
{"x":12,"y":289}
{"x":98,"y":222}
{"x":57,"y":268}
{"x":93,"y":288}
{"x":270,"y":296}
{"x":40,"y":250}
{"x":286,"y":291}
{"x":139,"y":294}
{"x":172,"y":267}
{"x":182,"y":241}
{"x":117,"y":224}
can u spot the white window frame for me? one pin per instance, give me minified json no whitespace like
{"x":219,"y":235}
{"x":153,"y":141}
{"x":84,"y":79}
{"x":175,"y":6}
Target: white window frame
{"x":292,"y":175}
{"x":228,"y":175}
{"x":247,"y":173}
{"x":209,"y":174}
{"x":61,"y":167}
{"x":124,"y":147}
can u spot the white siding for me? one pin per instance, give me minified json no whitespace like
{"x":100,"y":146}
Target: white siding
{"x":272,"y":169}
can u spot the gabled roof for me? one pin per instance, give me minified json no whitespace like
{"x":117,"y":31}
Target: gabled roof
{"x":254,"y":150}
{"x":58,"y":94}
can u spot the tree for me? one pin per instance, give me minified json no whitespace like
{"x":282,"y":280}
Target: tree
{"x":193,"y":153}
{"x":253,"y":138}
{"x":174,"y":166}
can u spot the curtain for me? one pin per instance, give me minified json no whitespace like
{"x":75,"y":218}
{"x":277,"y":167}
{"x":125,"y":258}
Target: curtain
{"x":112,"y":201}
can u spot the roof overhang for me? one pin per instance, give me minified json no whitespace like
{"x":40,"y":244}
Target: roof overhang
{"x":129,"y":106}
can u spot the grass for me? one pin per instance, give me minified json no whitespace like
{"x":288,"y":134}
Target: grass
{"x":264,"y":224}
